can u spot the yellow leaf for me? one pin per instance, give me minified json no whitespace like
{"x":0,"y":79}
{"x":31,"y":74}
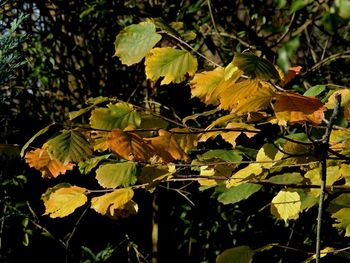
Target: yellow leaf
{"x":172,"y":64}
{"x":41,"y":160}
{"x":64,"y":201}
{"x":286,"y":205}
{"x":340,"y":140}
{"x":112,"y":175}
{"x":345,"y":98}
{"x":231,"y":137}
{"x":333,"y":174}
{"x":108,"y":203}
{"x":166,"y":147}
{"x":244,"y":175}
{"x":295,"y":108}
{"x":345,"y":173}
{"x":323,"y":253}
{"x":342,"y":218}
{"x":129,"y":146}
{"x":208,"y":135}
{"x":239,"y":98}
{"x":100,"y":140}
{"x":268,"y":153}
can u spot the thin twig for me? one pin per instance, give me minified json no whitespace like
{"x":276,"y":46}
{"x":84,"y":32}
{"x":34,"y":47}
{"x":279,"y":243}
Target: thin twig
{"x":212,"y":16}
{"x":286,"y":31}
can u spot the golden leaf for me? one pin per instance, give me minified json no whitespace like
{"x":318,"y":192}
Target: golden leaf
{"x":294,"y":108}
{"x":64,"y":201}
{"x":231,"y":137}
{"x":247,"y":96}
{"x":244,"y":175}
{"x":49,"y":167}
{"x":286,"y":205}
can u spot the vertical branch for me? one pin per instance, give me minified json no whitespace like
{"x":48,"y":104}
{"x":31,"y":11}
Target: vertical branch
{"x":322,"y":148}
{"x":155,"y":230}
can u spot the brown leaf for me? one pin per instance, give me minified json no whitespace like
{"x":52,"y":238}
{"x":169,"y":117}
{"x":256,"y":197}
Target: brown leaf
{"x":294,"y":108}
{"x":129,"y":146}
{"x":166,"y":146}
{"x":292,"y":72}
{"x":50,"y":167}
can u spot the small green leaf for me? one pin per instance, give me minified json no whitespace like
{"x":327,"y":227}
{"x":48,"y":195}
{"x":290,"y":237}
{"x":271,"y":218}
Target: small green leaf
{"x":315,"y":90}
{"x":242,"y":254}
{"x":344,"y":8}
{"x":225,"y":155}
{"x":135,"y":41}
{"x":86,"y":166}
{"x":120,"y":115}
{"x":238,"y":193}
{"x":255,"y":66}
{"x":69,"y":146}
{"x":116,"y":174}
{"x":342,"y":201}
{"x":287,"y":178}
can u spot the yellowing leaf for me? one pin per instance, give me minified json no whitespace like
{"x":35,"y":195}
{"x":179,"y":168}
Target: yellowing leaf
{"x":185,"y":140}
{"x":314,"y":176}
{"x":172,"y":64}
{"x":135,"y":41}
{"x":109,"y":203}
{"x":50,"y":167}
{"x":345,"y":173}
{"x":69,"y":146}
{"x":255,"y":66}
{"x":113,"y":175}
{"x":240,"y":99}
{"x":342,"y":218}
{"x":120,"y":115}
{"x":166,"y":146}
{"x":340,"y":140}
{"x":100,"y":140}
{"x":242,"y":254}
{"x":323,"y":253}
{"x":64,"y":201}
{"x":286,"y":205}
{"x":129,"y":146}
{"x":231,"y":137}
{"x":244,"y":175}
{"x":342,"y":201}
{"x":268,"y":153}
{"x":345,"y":98}
{"x":294,"y":108}
{"x":287,"y":178}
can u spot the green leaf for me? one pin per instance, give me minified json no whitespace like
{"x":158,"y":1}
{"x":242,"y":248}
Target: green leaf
{"x":238,"y":193}
{"x":111,"y":202}
{"x":120,"y":115}
{"x":116,"y":174}
{"x":135,"y":41}
{"x":342,"y":201}
{"x":255,"y":66}
{"x":287,"y":178}
{"x":241,"y":254}
{"x":225,"y":155}
{"x":92,"y":101}
{"x":172,"y":64}
{"x":342,"y":218}
{"x":41,"y":132}
{"x":86,"y":166}
{"x":69,"y":146}
{"x":286,"y":205}
{"x":297,"y":5}
{"x":344,"y":8}
{"x":315,"y":90}
{"x":64,"y":201}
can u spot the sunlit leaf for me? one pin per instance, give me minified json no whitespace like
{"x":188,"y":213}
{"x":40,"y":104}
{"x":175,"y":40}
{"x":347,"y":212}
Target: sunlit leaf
{"x":172,"y":64}
{"x":314,"y":176}
{"x":64,"y":201}
{"x":286,"y":205}
{"x":120,"y":115}
{"x":342,"y":218}
{"x":345,"y":173}
{"x":292,"y":72}
{"x":100,"y":140}
{"x":201,"y":114}
{"x":255,"y":66}
{"x":129,"y":146}
{"x":238,"y":193}
{"x":339,"y":139}
{"x":294,"y":108}
{"x":49,"y":167}
{"x":345,"y":98}
{"x":69,"y":146}
{"x":242,"y":254}
{"x":110,"y":202}
{"x":324,"y":252}
{"x":244,"y":175}
{"x":239,"y":97}
{"x":268,"y":154}
{"x":135,"y":41}
{"x":343,"y":8}
{"x":112,"y":175}
{"x":166,"y":147}
{"x":129,"y":209}
{"x":231,"y":137}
